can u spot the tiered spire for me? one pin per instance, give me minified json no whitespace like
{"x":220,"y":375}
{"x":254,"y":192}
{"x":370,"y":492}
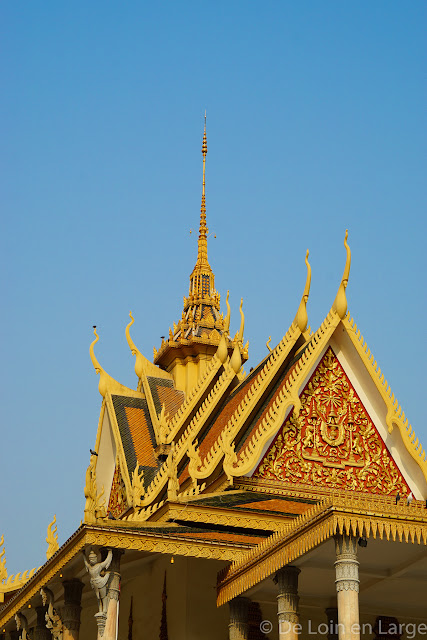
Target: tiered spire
{"x":202,"y":279}
{"x":195,"y":338}
{"x":202,"y":254}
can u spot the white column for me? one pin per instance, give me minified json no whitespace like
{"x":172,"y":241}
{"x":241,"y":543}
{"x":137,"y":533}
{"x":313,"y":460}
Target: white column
{"x":347,"y":585}
{"x":238,"y":629}
{"x":287,"y":603}
{"x":112,"y":622}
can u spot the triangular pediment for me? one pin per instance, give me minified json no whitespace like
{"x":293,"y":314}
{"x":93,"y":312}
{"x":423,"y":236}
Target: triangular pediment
{"x":333,"y":442}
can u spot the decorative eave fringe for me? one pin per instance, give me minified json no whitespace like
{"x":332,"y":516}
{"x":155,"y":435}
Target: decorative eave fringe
{"x":357,"y":517}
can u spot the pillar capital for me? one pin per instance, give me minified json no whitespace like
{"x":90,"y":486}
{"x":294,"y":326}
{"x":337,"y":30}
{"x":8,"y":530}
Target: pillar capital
{"x":346,"y":564}
{"x":41,"y":632}
{"x":347,"y":585}
{"x":239,"y":622}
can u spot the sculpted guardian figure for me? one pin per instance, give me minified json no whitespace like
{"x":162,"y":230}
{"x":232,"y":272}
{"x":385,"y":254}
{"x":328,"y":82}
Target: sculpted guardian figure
{"x":99,"y":577}
{"x":22,"y":624}
{"x":53,"y":620}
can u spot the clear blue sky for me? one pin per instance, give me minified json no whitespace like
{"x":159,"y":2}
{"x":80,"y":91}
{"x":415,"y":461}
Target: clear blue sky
{"x":316,"y":123}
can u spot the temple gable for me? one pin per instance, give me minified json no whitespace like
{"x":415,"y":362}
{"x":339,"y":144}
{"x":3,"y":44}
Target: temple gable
{"x":333,"y":441}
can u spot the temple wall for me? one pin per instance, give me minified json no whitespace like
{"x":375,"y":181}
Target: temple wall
{"x":192,"y":613}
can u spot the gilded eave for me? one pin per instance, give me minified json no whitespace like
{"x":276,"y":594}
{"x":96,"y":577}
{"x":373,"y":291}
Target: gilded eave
{"x":115,"y":536}
{"x":188,"y":512}
{"x":359,"y":516}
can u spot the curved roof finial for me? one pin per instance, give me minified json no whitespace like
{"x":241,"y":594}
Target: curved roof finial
{"x":340,"y":303}
{"x":242,"y":322}
{"x":228,"y":316}
{"x":131,"y":343}
{"x":301,"y":318}
{"x":106,"y":382}
{"x":95,"y":362}
{"x":140,"y":359}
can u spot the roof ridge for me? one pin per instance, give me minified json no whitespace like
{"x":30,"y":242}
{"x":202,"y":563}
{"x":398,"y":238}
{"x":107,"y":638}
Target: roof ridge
{"x":184,"y":411}
{"x":277,"y":411}
{"x":395,"y":414}
{"x":160,"y":479}
{"x":256,"y":389}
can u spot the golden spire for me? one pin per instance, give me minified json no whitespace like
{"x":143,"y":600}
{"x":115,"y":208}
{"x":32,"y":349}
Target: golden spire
{"x":202,"y":279}
{"x":202,"y":254}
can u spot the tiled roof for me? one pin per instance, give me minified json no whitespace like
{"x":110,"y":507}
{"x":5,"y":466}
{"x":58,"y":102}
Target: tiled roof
{"x":218,"y":534}
{"x":213,"y":429}
{"x":284,"y":507}
{"x":137,"y":435}
{"x":268,"y":401}
{"x":163,"y":392}
{"x":253,"y":501}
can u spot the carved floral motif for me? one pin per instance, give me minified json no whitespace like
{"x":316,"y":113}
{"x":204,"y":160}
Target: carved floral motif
{"x":333,"y":441}
{"x":117,"y":503}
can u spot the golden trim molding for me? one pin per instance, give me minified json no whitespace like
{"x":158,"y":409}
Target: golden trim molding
{"x":138,"y":540}
{"x":357,"y":516}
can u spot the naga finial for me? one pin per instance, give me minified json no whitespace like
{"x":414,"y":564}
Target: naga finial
{"x":95,"y":362}
{"x":228,"y":316}
{"x":3,"y":570}
{"x":139,"y":362}
{"x":301,"y":317}
{"x":52,"y":539}
{"x":138,"y":487}
{"x":340,"y":303}
{"x":242,"y":322}
{"x":267,"y":344}
{"x":128,"y":338}
{"x":106,"y":382}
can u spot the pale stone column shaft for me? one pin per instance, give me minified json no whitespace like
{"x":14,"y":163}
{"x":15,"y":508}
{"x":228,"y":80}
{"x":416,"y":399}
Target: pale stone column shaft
{"x":238,"y":629}
{"x":111,"y":624}
{"x":70,"y":612}
{"x":287,"y":602}
{"x":347,"y":585}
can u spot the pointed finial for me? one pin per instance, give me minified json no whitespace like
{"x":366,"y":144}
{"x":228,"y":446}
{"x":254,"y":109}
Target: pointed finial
{"x":202,"y":254}
{"x":95,"y":362}
{"x":3,"y":570}
{"x":242,"y":322}
{"x":132,"y":347}
{"x":106,"y":382}
{"x":205,"y":144}
{"x":301,"y":317}
{"x":52,"y":539}
{"x":228,"y":316}
{"x":340,"y":303}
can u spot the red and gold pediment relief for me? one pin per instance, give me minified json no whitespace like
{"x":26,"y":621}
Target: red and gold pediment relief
{"x":117,"y":503}
{"x":333,"y":443}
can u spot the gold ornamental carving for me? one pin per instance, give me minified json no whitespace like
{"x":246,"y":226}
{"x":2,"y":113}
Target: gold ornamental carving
{"x":332,"y":442}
